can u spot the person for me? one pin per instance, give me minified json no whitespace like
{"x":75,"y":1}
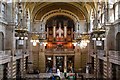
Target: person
{"x":54,"y":69}
{"x":58,"y":72}
{"x":47,"y":69}
{"x":87,"y":69}
{"x":70,"y":69}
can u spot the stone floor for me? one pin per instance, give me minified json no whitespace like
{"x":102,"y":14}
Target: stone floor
{"x":69,"y":76}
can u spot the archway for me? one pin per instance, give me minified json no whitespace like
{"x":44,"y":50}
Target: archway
{"x":1,"y":41}
{"x":118,"y":41}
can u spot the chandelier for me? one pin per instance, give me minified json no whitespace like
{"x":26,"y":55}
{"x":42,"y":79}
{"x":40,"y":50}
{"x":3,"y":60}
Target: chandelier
{"x":98,"y":34}
{"x":83,"y":39}
{"x":37,"y":37}
{"x":21,"y":33}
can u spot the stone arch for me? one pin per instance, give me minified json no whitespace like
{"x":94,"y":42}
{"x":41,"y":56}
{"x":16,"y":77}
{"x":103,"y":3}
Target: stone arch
{"x":59,"y":12}
{"x":118,"y":41}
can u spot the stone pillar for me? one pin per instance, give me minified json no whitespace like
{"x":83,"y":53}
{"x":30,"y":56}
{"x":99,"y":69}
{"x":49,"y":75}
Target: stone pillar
{"x":41,"y":58}
{"x":54,"y":60}
{"x":77,"y":59}
{"x":65,"y":62}
{"x":95,"y":61}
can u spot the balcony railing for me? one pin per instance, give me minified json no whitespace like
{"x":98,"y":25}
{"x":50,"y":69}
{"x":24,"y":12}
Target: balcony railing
{"x":114,"y":55}
{"x":5,"y":56}
{"x":101,"y":53}
{"x":20,"y":52}
{"x":59,"y":51}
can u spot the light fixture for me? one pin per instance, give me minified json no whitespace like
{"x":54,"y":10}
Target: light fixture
{"x":37,"y":37}
{"x":45,"y":43}
{"x":98,"y":34}
{"x":34,"y":38}
{"x":83,"y":39}
{"x":34,"y":43}
{"x":21,"y":31}
{"x":83,"y":44}
{"x":75,"y":43}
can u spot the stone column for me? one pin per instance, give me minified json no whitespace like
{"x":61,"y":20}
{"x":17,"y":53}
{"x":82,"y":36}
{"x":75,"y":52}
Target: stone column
{"x":65,"y":62}
{"x":54,"y":60}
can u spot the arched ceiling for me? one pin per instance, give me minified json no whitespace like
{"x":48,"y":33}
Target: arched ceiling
{"x":54,"y":6}
{"x":81,"y":9}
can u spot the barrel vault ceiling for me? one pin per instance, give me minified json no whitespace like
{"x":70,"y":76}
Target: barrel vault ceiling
{"x":81,"y":9}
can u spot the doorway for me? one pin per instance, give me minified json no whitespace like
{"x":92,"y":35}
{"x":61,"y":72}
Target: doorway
{"x":5,"y":71}
{"x":49,"y":64}
{"x":70,"y":63}
{"x":18,"y":71}
{"x":60,"y":63}
{"x":1,"y":41}
{"x":113,"y":71}
{"x":100,"y":69}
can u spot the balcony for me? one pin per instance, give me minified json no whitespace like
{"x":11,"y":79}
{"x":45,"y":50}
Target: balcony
{"x":91,"y":52}
{"x":114,"y":57}
{"x":5,"y":56}
{"x":101,"y":54}
{"x":19,"y":53}
{"x":62,"y":51}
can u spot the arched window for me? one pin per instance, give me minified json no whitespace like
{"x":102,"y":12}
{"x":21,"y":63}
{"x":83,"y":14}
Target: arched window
{"x":118,"y":41}
{"x":116,"y":11}
{"x":16,"y":15}
{"x":28,"y":19}
{"x":3,"y":10}
{"x":111,"y":13}
{"x":103,"y":19}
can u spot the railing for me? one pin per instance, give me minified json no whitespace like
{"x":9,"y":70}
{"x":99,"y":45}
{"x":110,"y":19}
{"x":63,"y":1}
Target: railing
{"x":59,"y":50}
{"x":101,"y":53}
{"x":8,"y":52}
{"x":4,"y":55}
{"x":19,"y":52}
{"x":114,"y":55}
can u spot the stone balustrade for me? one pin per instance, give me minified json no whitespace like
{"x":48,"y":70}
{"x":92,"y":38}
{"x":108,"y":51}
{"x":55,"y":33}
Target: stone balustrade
{"x":4,"y":57}
{"x":101,"y":53}
{"x":114,"y":55}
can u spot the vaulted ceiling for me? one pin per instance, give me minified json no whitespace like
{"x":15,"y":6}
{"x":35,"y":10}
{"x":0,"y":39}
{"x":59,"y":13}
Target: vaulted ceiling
{"x":80,"y":9}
